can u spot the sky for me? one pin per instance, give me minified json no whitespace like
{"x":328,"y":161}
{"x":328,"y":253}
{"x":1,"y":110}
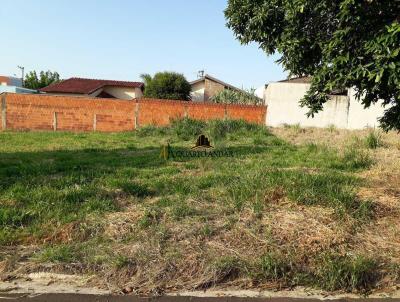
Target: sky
{"x":122,"y":39}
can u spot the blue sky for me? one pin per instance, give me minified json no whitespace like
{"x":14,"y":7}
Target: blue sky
{"x":122,"y":39}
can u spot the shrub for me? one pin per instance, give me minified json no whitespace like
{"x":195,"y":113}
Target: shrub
{"x":355,"y":158}
{"x":237,"y":97}
{"x":187,"y":128}
{"x":218,"y":129}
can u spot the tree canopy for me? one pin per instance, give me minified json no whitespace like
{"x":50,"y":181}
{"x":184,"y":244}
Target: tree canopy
{"x":341,"y":44}
{"x":166,"y":85}
{"x":32,"y":81}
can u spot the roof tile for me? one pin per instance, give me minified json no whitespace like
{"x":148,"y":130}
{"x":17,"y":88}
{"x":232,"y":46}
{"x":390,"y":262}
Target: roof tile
{"x":86,"y":86}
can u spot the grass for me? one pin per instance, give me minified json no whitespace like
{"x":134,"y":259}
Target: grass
{"x":86,"y":198}
{"x":373,"y":139}
{"x":349,"y":272}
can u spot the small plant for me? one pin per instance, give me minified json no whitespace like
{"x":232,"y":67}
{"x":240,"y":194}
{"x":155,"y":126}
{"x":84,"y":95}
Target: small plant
{"x":312,"y":147}
{"x":181,"y":210}
{"x":206,"y":231}
{"x":227,"y":268}
{"x":151,"y":216}
{"x":295,"y":127}
{"x":331,"y":128}
{"x":356,"y":158}
{"x":134,"y":189}
{"x":61,"y":253}
{"x":122,"y":261}
{"x":373,"y":139}
{"x":275,"y":267}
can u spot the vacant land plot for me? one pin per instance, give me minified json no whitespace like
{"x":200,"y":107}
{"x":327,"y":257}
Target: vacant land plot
{"x":294,"y":206}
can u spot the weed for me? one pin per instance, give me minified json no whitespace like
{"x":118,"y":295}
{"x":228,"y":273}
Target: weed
{"x":135,"y":189}
{"x":206,"y":230}
{"x":356,"y":158}
{"x":121,"y":261}
{"x":61,"y":253}
{"x":227,"y":268}
{"x":294,"y":127}
{"x":373,"y":139}
{"x":181,"y":210}
{"x":312,"y":147}
{"x":275,"y":267}
{"x":151,"y":216}
{"x":331,"y":128}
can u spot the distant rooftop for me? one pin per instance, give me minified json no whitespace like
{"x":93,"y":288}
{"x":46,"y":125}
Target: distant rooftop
{"x":87,"y":86}
{"x":10,"y":81}
{"x":207,"y":76}
{"x":307,"y":80}
{"x":15,"y":89}
{"x":302,"y":80}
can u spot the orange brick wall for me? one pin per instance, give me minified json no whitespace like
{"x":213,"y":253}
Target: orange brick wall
{"x":159,"y":112}
{"x":38,"y":112}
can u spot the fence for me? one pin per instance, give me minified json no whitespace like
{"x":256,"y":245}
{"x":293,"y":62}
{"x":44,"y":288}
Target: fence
{"x":65,"y":113}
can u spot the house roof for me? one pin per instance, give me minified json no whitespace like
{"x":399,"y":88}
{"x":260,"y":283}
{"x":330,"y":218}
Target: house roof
{"x":207,"y":76}
{"x":307,"y":80}
{"x":302,"y":80}
{"x":87,"y":86}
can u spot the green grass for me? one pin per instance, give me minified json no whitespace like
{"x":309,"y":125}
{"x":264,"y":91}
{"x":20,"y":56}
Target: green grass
{"x":51,"y":180}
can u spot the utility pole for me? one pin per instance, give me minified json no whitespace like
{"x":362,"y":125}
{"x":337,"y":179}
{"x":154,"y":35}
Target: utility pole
{"x":22,"y":71}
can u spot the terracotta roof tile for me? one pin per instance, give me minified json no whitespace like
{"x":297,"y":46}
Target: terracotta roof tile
{"x":86,"y":86}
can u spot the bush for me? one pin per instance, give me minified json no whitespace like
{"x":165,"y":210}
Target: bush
{"x":237,"y":97}
{"x":187,"y":128}
{"x":218,"y":129}
{"x":167,"y":85}
{"x":355,"y":158}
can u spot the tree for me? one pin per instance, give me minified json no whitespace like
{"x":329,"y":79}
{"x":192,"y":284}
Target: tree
{"x":32,"y":81}
{"x":341,"y":44}
{"x":167,"y":85}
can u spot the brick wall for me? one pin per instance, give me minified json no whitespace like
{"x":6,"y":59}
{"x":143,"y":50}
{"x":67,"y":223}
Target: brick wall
{"x":66,"y":113}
